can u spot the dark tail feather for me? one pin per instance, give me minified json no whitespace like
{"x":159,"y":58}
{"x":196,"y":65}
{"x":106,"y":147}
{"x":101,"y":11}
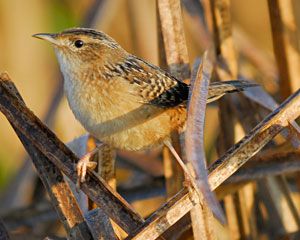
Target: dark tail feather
{"x":218,"y":89}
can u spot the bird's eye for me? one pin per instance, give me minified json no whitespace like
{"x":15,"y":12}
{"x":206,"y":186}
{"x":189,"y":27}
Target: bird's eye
{"x":78,"y":43}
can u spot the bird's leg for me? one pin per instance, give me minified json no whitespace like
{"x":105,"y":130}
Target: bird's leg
{"x":191,"y":179}
{"x":85,"y":163}
{"x":169,"y":145}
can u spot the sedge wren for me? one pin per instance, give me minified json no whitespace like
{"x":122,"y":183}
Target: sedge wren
{"x":119,"y":98}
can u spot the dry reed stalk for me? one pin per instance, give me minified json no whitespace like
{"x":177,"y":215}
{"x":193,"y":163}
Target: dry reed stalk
{"x":96,"y":218}
{"x":285,"y":44}
{"x":174,"y":58}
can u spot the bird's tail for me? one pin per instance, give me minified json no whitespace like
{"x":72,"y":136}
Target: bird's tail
{"x":218,"y":89}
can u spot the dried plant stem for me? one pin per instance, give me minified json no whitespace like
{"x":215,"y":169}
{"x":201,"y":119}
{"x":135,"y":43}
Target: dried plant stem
{"x":174,"y":44}
{"x":281,"y":204}
{"x":248,"y":146}
{"x":174,"y":57}
{"x":261,"y":97}
{"x":286,"y":45}
{"x":270,"y":212}
{"x":97,"y":219}
{"x":194,"y":140}
{"x":202,"y":222}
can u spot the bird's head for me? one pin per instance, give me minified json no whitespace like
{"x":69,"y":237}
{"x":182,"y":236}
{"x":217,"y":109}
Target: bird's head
{"x":82,"y":47}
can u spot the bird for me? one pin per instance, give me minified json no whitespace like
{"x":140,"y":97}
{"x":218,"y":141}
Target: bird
{"x":121,"y":99}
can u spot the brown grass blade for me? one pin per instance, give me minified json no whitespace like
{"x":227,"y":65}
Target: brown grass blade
{"x":195,"y":134}
{"x":221,"y":30}
{"x":224,"y":51}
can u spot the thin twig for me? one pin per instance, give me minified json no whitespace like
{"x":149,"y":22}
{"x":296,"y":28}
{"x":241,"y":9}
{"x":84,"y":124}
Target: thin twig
{"x":290,"y":206}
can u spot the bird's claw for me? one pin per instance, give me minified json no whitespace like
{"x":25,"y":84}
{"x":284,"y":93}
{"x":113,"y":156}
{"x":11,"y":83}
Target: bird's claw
{"x":82,"y":166}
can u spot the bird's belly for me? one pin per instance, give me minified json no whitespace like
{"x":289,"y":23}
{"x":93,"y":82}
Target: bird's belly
{"x":127,"y":125}
{"x":134,"y":136}
{"x":135,"y":130}
{"x":151,"y":133}
{"x":138,"y":137}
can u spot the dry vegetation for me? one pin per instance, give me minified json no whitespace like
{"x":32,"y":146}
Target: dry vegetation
{"x":143,"y":195}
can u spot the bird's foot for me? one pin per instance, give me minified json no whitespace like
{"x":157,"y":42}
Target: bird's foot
{"x":83,"y":164}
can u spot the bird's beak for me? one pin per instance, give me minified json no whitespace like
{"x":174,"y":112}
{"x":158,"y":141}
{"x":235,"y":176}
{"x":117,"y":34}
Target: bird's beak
{"x":50,"y":37}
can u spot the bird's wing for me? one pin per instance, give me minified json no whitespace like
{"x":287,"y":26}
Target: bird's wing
{"x":155,"y":86}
